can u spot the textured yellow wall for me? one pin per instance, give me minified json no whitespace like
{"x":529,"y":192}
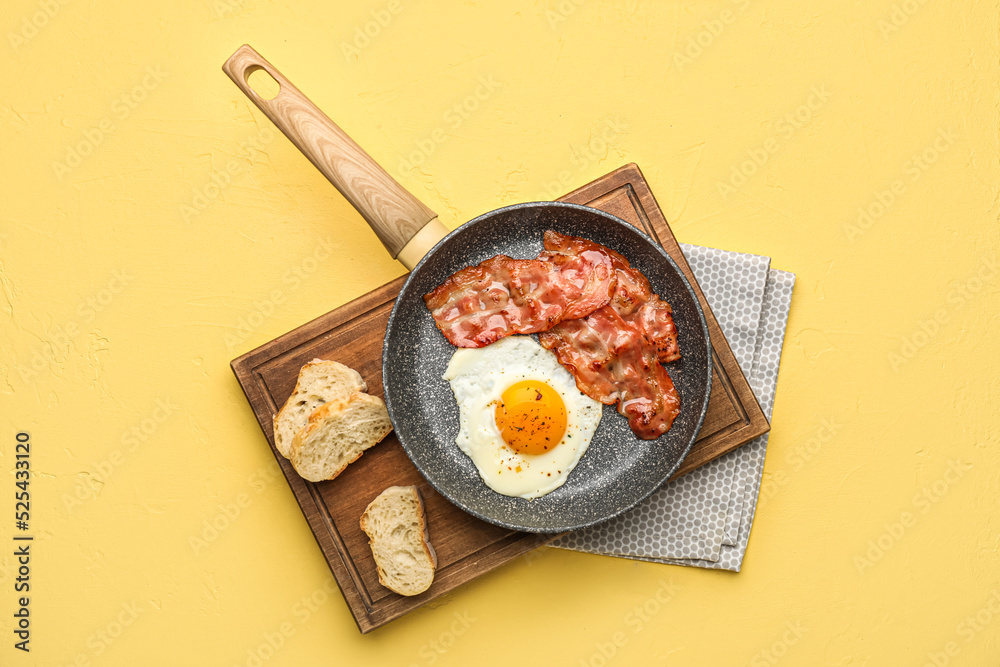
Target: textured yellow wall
{"x":154,"y":226}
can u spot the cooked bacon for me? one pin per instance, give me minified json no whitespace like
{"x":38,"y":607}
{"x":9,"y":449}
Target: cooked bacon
{"x":615,"y":352}
{"x":473,"y":307}
{"x":612,"y":363}
{"x":481,"y":304}
{"x":633,"y":299}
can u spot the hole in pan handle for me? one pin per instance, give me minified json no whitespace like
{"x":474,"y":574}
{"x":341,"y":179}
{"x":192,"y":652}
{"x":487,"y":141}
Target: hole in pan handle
{"x":406,"y":227}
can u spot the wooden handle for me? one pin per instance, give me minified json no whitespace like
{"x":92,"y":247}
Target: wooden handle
{"x":394,"y":214}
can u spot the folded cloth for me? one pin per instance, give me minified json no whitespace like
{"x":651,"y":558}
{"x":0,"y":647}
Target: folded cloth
{"x":733,"y":283}
{"x":703,"y":519}
{"x":764,"y":381}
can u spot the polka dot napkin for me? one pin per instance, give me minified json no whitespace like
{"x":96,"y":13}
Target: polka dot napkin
{"x":703,"y":519}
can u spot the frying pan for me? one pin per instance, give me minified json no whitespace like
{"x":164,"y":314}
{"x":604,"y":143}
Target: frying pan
{"x":618,"y":470}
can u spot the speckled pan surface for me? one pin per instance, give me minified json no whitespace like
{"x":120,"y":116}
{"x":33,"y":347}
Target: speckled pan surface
{"x":618,"y":470}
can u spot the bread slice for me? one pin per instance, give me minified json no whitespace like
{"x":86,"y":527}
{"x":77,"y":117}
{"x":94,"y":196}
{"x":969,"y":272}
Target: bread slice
{"x":397,"y":533}
{"x":338,"y":432}
{"x":319,"y":381}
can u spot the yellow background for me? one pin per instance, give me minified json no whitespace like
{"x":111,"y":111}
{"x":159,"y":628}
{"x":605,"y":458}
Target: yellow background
{"x":130,"y":279}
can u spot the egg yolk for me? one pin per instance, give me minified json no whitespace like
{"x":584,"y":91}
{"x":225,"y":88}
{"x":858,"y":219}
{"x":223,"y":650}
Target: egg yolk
{"x":531,"y":417}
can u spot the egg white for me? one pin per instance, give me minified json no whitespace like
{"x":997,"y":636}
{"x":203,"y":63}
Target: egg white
{"x":478,"y":377}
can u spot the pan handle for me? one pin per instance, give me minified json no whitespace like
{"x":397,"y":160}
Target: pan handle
{"x":402,"y":222}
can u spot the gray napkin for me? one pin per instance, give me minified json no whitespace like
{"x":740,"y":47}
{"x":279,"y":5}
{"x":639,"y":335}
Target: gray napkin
{"x":703,"y":519}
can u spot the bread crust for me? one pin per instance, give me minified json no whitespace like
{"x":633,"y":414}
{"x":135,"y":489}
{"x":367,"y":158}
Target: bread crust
{"x":334,"y":410}
{"x":424,"y":542}
{"x":349,"y":376}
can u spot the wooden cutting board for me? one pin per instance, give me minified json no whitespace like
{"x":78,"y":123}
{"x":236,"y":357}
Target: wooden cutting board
{"x":466,"y":546}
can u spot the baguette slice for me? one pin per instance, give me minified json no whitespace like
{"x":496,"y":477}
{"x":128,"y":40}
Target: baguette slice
{"x":319,"y":381}
{"x":397,"y":533}
{"x":338,"y":432}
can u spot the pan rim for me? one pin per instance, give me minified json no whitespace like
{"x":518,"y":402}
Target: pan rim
{"x":702,"y":410}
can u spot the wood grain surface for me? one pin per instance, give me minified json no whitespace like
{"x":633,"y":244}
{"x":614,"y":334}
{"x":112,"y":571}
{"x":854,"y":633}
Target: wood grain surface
{"x":466,"y":547}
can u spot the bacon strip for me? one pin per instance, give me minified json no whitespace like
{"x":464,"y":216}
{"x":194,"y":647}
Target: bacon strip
{"x":615,"y":353}
{"x":481,"y":304}
{"x":612,"y":364}
{"x":633,"y":299}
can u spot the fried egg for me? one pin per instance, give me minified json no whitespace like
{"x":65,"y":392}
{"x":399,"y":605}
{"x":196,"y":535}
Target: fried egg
{"x":522,"y":420}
